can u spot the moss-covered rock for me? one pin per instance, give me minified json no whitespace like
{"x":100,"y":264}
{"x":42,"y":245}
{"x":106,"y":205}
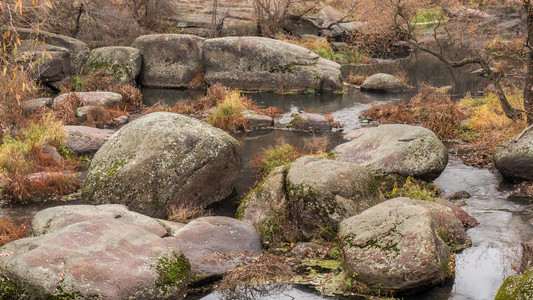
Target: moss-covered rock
{"x":310,"y":122}
{"x":169,"y":60}
{"x":517,"y":287}
{"x":122,"y":63}
{"x":163,"y":160}
{"x":395,"y":246}
{"x":323,"y":192}
{"x":110,"y":255}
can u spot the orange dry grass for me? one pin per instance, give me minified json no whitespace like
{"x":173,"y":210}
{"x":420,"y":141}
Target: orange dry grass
{"x":9,"y":231}
{"x":131,"y":96}
{"x":66,"y":111}
{"x":389,"y":113}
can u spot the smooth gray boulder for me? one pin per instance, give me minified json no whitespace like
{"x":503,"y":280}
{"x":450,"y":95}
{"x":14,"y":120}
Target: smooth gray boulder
{"x":169,"y":60}
{"x":310,"y":122}
{"x":323,"y":192}
{"x":216,"y":245}
{"x":257,"y":63}
{"x":257,"y":121}
{"x":101,"y":258}
{"x":515,"y":159}
{"x":48,"y":63}
{"x":396,"y":149}
{"x":108,"y":99}
{"x":383,"y":83}
{"x":77,"y":49}
{"x":162,"y":160}
{"x":85,"y":139}
{"x":30,"y":106}
{"x":394,"y":247}
{"x":122,"y":63}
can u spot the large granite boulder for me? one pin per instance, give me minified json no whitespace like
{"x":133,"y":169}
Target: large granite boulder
{"x":383,"y":83}
{"x":395,"y":246}
{"x":169,"y":60}
{"x":323,"y":192}
{"x":515,"y":159}
{"x":396,"y":149}
{"x":52,"y":66}
{"x":256,"y":63}
{"x":94,"y":252}
{"x":77,"y":49}
{"x":162,"y":160}
{"x":216,"y":245}
{"x":122,"y":63}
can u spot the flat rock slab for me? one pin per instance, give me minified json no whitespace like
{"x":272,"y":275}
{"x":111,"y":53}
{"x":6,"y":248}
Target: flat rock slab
{"x":216,"y":245}
{"x":56,"y":218}
{"x":310,"y":122}
{"x":101,"y":258}
{"x":30,"y":106}
{"x":108,"y":99}
{"x":87,"y":140}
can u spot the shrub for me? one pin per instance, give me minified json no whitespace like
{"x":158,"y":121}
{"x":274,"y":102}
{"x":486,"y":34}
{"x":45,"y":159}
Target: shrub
{"x":488,"y":124}
{"x":16,"y":87}
{"x":281,"y":154}
{"x":22,"y":156}
{"x":228,"y":114}
{"x":66,"y":111}
{"x":414,"y":189}
{"x":436,"y":111}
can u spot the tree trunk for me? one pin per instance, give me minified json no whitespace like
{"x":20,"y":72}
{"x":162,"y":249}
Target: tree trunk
{"x":528,"y":91}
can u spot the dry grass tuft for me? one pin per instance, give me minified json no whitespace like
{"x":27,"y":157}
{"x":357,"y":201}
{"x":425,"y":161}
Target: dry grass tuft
{"x":389,"y":113}
{"x":187,"y":213}
{"x":9,"y":231}
{"x":282,"y":153}
{"x":66,"y":111}
{"x":197,"y":82}
{"x":263,"y":270}
{"x":98,"y":115}
{"x":430,"y":108}
{"x":132,"y":98}
{"x":356,"y":79}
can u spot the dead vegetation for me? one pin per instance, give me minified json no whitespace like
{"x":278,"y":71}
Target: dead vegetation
{"x":252,"y":277}
{"x":9,"y":231}
{"x":430,"y":108}
{"x":187,"y":213}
